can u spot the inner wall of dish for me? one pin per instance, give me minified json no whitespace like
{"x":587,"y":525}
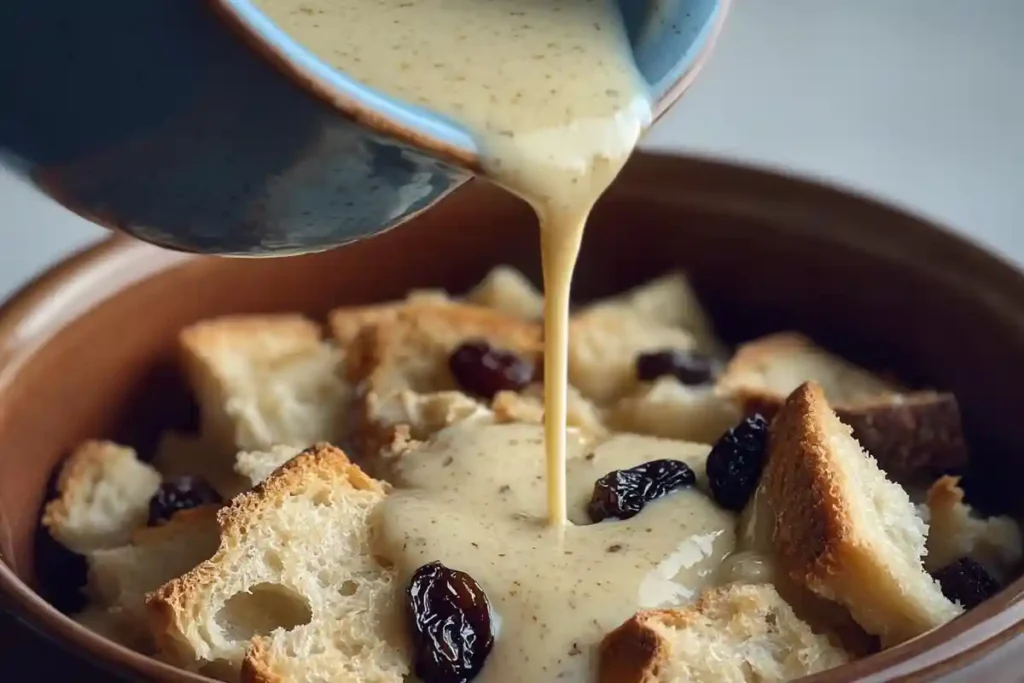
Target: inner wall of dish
{"x":889,"y":295}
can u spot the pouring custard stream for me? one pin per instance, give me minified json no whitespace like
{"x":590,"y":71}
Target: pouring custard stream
{"x":549,"y":90}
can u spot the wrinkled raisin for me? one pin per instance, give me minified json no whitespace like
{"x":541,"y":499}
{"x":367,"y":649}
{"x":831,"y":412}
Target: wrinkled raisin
{"x":623,"y":493}
{"x":735,"y":462}
{"x":451,"y":624}
{"x":966,"y":582}
{"x":689,"y":367}
{"x":180,"y":494}
{"x":483,"y":370}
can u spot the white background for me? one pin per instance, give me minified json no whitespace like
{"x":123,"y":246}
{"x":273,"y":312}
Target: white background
{"x":917,"y":101}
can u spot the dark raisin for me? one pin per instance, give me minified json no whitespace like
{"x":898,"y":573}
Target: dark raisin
{"x":483,"y":370}
{"x":623,"y":493}
{"x":735,"y":462}
{"x":689,"y":367}
{"x":451,"y":624}
{"x":966,"y":582}
{"x":180,"y":494}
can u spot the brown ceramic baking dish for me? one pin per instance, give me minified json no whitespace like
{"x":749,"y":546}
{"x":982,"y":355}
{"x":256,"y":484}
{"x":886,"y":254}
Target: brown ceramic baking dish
{"x":87,"y":349}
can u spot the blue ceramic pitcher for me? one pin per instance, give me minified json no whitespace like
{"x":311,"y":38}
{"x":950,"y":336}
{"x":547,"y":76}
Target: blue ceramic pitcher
{"x":200,"y":126}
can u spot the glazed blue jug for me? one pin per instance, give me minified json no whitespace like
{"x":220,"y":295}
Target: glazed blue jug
{"x":196,"y":126}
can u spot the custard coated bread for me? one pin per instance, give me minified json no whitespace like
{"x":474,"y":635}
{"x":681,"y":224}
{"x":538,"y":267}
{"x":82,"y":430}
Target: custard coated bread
{"x":103,"y":493}
{"x":604,"y":343}
{"x":411,"y":351}
{"x":264,"y":381}
{"x":294,"y":592}
{"x":912,"y":434}
{"x":672,"y":410}
{"x":842,"y":529}
{"x":119,"y":578}
{"x":733,"y":634}
{"x":956,"y":531}
{"x":348,"y":322}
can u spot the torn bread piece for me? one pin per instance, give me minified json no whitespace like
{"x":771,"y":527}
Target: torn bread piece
{"x":842,"y":529}
{"x":668,"y":300}
{"x":348,"y":322}
{"x":265,"y":380}
{"x":410,"y":353}
{"x":672,"y":410}
{"x":119,"y":578}
{"x":912,"y":434}
{"x":604,"y":343}
{"x":956,"y":531}
{"x":734,"y":634}
{"x":256,"y":466}
{"x":507,"y":290}
{"x":294,"y":591}
{"x":103,"y":493}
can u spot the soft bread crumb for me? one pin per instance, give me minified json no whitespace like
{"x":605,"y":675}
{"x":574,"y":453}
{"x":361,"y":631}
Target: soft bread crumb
{"x":734,"y":634}
{"x":103,"y":493}
{"x":506,"y":289}
{"x":672,"y":410}
{"x":604,"y":343}
{"x":263,"y":381}
{"x":957,"y":532}
{"x":294,"y":592}
{"x":120,"y":577}
{"x":842,"y":529}
{"x":348,"y":322}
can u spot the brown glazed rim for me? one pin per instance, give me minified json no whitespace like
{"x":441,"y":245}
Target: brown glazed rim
{"x":76,"y":285}
{"x":373,"y":119}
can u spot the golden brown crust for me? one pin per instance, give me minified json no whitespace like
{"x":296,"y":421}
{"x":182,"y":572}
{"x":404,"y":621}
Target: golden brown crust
{"x":813,"y":527}
{"x":633,"y":652}
{"x":75,"y":475}
{"x":256,"y":665}
{"x":207,"y":336}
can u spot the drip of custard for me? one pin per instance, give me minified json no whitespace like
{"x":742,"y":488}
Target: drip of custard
{"x":549,"y":90}
{"x":474,"y":498}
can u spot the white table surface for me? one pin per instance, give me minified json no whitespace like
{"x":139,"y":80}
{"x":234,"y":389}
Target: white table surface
{"x":920,"y":102}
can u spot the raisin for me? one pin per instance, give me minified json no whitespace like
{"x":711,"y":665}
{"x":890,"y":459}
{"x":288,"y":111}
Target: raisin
{"x":180,"y":494}
{"x":623,"y":493}
{"x":735,"y":462}
{"x":966,"y":582}
{"x":689,"y":367}
{"x":484,"y":370}
{"x":451,"y":624}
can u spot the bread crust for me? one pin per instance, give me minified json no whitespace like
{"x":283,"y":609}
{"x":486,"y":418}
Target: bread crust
{"x":914,"y":435}
{"x":824,"y":493}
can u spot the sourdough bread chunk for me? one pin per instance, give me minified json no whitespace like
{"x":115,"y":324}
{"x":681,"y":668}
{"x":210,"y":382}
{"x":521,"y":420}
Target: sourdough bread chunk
{"x":671,"y":410}
{"x":263,"y":381}
{"x":842,"y":529}
{"x":956,"y":531}
{"x":912,"y":434}
{"x":120,"y":578}
{"x":733,"y":634}
{"x":506,"y":289}
{"x":294,"y":592}
{"x":604,"y":343}
{"x":103,"y":493}
{"x":410,"y":352}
